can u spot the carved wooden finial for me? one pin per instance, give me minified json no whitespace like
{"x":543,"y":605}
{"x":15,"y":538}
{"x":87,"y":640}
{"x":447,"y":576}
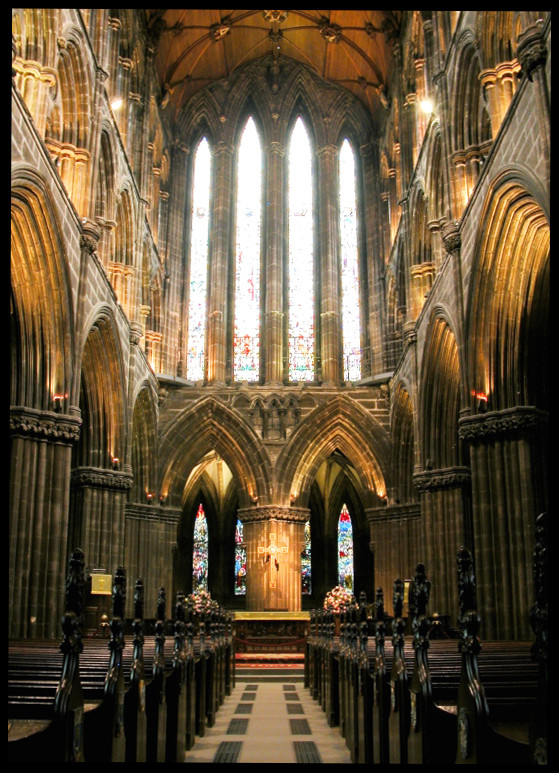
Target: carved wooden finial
{"x":72,"y":620}
{"x":398,"y":597}
{"x":139,"y":599}
{"x":539,"y":611}
{"x":119,"y":592}
{"x":468,"y":620}
{"x":161,"y":604}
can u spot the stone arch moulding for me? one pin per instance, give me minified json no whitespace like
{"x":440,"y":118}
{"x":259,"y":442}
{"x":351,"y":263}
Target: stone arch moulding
{"x":103,"y":365}
{"x":207,"y":426}
{"x":498,"y":301}
{"x":37,"y":235}
{"x":439,"y":398}
{"x":340,"y":424}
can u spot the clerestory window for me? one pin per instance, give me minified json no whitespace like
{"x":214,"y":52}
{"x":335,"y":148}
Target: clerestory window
{"x":250,"y":285}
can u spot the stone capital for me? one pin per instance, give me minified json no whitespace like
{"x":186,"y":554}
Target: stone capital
{"x":531,"y":51}
{"x":446,"y":478}
{"x":273,"y":513}
{"x":450,"y":233}
{"x":523,"y":419}
{"x":97,"y":477}
{"x":44,"y":425}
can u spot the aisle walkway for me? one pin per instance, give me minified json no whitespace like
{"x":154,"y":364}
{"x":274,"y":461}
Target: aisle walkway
{"x":270,"y":722}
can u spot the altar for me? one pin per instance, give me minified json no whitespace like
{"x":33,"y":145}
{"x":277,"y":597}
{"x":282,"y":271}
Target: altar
{"x":271,"y":632}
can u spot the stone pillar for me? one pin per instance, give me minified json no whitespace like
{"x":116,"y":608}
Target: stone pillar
{"x":444,"y":514}
{"x":40,"y":459}
{"x":498,"y":84}
{"x":274,"y":538}
{"x":219,"y":264}
{"x":532,"y":54}
{"x":422,"y":276}
{"x":507,"y":460}
{"x":396,"y":541}
{"x":275,"y":252}
{"x":35,"y":84}
{"x":330,"y":311}
{"x":175,"y":309}
{"x":151,"y":538}
{"x":97,"y":526}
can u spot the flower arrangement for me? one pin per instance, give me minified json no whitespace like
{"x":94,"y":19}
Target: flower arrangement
{"x":201,"y":601}
{"x":338,"y":598}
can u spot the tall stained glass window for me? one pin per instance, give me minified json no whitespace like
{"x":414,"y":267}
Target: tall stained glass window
{"x":306,"y":575}
{"x":200,"y":552}
{"x":199,"y":262}
{"x":246,"y":354}
{"x":351,"y":324}
{"x":345,"y":549}
{"x":301,"y":257}
{"x":240,"y":561}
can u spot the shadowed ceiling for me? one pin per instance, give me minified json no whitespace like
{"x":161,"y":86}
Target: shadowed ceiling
{"x":195,"y":47}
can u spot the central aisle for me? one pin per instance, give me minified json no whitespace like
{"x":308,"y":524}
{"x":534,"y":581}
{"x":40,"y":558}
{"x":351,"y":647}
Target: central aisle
{"x":270,"y":722}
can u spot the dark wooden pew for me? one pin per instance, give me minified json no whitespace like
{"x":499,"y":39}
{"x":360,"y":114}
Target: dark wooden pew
{"x":135,"y":719}
{"x":479,"y":740}
{"x":379,"y":676}
{"x":539,"y":623}
{"x":176,"y":692}
{"x":432,"y":730}
{"x":53,"y":729}
{"x":363,"y":689}
{"x":106,"y":720}
{"x":190,"y":737}
{"x":399,"y":718}
{"x":156,"y":706}
{"x":201,"y":657}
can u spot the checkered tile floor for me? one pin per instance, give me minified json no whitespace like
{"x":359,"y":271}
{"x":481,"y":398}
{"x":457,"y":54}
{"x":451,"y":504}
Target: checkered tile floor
{"x":270,"y":722}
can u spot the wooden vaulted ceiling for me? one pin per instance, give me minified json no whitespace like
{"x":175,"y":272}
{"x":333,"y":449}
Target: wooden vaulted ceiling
{"x":195,"y":47}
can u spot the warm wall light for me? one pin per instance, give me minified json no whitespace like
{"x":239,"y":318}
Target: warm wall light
{"x":426,"y":105}
{"x":116,"y":104}
{"x":116,"y":463}
{"x":57,"y":402}
{"x":150,"y":497}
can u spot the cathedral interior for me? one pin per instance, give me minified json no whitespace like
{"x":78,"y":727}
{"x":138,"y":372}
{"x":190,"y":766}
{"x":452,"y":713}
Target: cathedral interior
{"x":272,"y":271}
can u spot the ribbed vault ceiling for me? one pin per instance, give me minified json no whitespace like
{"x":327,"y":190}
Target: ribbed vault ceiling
{"x":195,"y":47}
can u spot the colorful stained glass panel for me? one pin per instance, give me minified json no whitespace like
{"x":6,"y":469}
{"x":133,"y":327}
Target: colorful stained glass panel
{"x":351,"y":310}
{"x":306,"y":573}
{"x":345,"y":549}
{"x":301,"y":257}
{"x":240,"y":561}
{"x":246,"y":344}
{"x":200,"y":552}
{"x":199,"y":263}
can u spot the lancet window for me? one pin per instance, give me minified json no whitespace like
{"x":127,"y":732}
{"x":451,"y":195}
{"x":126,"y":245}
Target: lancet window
{"x":306,"y":566}
{"x":199,"y":262}
{"x":246,"y":353}
{"x":200,"y":552}
{"x":240,"y":561}
{"x":301,"y":257}
{"x":351,"y":307}
{"x":345,"y":549}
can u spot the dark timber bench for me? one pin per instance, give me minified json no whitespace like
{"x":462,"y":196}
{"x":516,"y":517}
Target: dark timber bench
{"x":408,"y":699}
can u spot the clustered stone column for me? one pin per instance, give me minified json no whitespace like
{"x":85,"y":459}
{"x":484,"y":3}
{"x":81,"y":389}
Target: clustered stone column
{"x":443,"y":497}
{"x":275,"y":230}
{"x":330,"y":281}
{"x":220,"y":245}
{"x":274,"y":538}
{"x":505,"y":460}
{"x":41,"y":452}
{"x":395,"y":541}
{"x":98,"y":515}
